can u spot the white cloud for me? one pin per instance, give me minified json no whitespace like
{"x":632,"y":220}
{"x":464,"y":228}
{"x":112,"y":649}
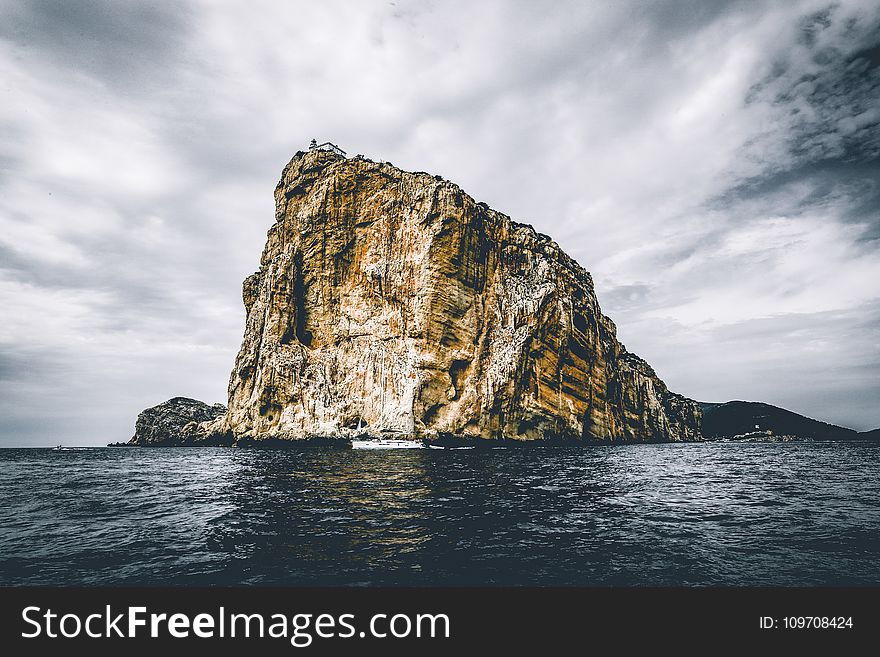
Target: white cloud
{"x":658,"y":144}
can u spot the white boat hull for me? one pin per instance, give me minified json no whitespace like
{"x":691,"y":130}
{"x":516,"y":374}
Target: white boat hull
{"x":387,"y":444}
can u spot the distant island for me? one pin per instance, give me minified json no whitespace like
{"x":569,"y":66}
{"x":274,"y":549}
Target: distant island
{"x":757,"y":421}
{"x":391,"y":304}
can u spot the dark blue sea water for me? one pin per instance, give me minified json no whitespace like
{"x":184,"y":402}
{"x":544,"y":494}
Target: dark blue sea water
{"x":704,"y":514}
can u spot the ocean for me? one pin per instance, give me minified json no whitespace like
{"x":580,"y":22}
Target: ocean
{"x":710,"y":514}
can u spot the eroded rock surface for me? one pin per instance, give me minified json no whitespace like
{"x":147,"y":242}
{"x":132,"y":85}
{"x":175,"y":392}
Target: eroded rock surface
{"x":390,"y":302}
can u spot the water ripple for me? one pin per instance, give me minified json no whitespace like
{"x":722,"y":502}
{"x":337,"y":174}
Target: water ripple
{"x":713,"y":514}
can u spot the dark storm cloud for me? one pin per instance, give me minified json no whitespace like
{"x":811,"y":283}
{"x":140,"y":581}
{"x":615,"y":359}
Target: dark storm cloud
{"x":129,"y":45}
{"x":825,"y":182}
{"x":826,"y":91}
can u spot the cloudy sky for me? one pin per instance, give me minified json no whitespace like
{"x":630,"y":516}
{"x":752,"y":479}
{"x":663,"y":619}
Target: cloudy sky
{"x":713,"y":164}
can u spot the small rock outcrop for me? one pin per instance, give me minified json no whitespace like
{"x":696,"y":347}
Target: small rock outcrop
{"x":392,"y":303}
{"x":174,"y":422}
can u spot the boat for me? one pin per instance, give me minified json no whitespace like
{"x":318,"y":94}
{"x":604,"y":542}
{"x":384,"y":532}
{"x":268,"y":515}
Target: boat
{"x":387,"y":443}
{"x":59,"y":448}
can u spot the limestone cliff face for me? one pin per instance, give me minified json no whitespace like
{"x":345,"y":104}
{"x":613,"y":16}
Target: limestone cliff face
{"x":392,"y":302}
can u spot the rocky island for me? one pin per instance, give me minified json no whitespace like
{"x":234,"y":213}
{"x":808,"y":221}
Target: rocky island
{"x":164,"y":424}
{"x":392,"y":304}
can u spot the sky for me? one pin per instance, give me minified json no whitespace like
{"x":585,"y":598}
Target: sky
{"x":714,"y":165}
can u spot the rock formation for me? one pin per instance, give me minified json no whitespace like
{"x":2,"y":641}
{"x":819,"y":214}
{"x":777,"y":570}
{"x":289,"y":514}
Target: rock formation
{"x":174,"y":422}
{"x":390,"y":302}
